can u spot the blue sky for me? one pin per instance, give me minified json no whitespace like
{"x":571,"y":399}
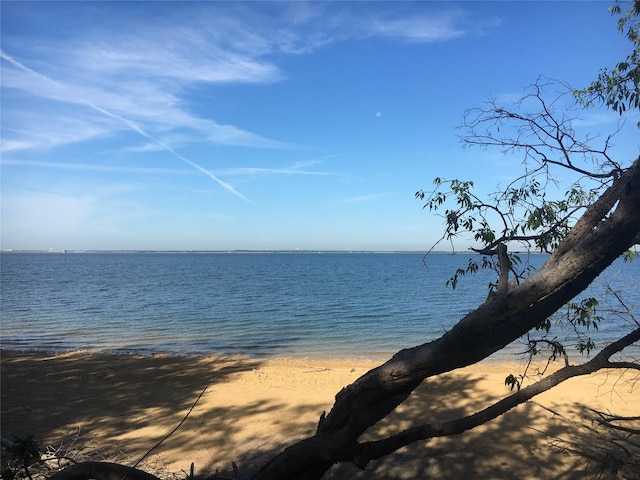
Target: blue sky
{"x":215,"y":126}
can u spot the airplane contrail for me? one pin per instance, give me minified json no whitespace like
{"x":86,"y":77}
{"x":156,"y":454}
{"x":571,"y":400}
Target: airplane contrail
{"x":129,"y":123}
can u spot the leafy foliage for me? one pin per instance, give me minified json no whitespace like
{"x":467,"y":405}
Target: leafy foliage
{"x":619,"y":87}
{"x":629,"y":255}
{"x":580,"y":317}
{"x":519,"y":269}
{"x":513,"y":382}
{"x":534,"y":211}
{"x":520,"y":213}
{"x":24,"y":452}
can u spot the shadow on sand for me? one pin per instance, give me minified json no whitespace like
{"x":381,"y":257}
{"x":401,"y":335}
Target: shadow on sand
{"x":65,"y":396}
{"x":528,"y":442}
{"x":148,"y":396}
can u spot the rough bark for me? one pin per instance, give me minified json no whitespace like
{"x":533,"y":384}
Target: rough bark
{"x":505,"y":265}
{"x":608,"y":228}
{"x":372,"y":450}
{"x":597,"y":239}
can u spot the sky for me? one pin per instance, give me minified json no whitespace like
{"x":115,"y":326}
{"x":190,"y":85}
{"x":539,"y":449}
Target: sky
{"x":267,"y":126}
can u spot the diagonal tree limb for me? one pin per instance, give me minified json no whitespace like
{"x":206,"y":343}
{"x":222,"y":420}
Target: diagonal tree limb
{"x":601,"y":238}
{"x":368,"y":451}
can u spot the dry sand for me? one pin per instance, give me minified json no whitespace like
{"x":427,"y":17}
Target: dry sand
{"x":124,"y":404}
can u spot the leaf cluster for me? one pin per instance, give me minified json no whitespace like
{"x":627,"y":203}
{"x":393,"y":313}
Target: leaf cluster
{"x":527,"y":211}
{"x":24,"y":452}
{"x":618,"y":88}
{"x":520,"y":214}
{"x":519,"y":269}
{"x":580,"y":317}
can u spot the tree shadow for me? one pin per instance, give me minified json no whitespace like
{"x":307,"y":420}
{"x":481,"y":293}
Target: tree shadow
{"x":505,"y":448}
{"x":136,"y":401}
{"x":523,"y":443}
{"x":601,"y":444}
{"x":59,"y":396}
{"x":125,"y":404}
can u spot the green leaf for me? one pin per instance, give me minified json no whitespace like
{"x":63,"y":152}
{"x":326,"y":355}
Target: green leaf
{"x":512,"y":381}
{"x":628,"y":256}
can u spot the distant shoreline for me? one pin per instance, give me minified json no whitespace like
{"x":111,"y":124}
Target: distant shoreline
{"x":346,"y":252}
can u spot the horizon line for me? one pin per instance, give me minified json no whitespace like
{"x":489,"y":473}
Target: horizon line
{"x":230,"y":251}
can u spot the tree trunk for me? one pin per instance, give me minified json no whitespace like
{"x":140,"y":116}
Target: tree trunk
{"x":597,"y":239}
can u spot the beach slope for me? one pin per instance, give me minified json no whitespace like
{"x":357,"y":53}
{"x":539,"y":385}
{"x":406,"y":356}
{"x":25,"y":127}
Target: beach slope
{"x":120,"y":406}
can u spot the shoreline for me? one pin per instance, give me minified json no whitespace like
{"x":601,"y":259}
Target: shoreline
{"x":507,"y":356}
{"x":123,"y":404}
{"x":117,"y":352}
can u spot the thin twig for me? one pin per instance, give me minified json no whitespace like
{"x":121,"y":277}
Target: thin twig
{"x":174,"y":430}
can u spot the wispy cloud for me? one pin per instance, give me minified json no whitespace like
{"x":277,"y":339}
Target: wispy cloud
{"x":313,"y":25}
{"x":365,"y":198}
{"x":95,"y":168}
{"x":129,"y":74}
{"x":96,"y":215}
{"x":600,"y":118}
{"x":421,"y":29}
{"x":298,"y":168}
{"x":146,"y":103}
{"x":129,"y":123}
{"x":30,"y":130}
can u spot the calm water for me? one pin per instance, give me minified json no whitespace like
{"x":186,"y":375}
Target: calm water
{"x":296,"y":304}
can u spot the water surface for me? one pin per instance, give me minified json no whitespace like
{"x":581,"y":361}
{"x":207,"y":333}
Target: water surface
{"x":258,"y":304}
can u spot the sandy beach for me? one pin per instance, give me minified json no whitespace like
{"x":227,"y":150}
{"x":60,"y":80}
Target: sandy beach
{"x":122,"y":405}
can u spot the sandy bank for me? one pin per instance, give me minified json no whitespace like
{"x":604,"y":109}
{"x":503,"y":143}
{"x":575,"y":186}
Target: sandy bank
{"x":251,"y":408}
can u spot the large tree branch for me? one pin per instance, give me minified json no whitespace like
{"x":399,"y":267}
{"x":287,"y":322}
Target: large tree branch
{"x":482,"y":332}
{"x":597,"y":212}
{"x":368,"y":451}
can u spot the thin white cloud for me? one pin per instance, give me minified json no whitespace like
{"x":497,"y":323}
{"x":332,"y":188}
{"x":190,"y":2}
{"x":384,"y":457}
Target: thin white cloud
{"x":93,"y":217}
{"x":177,"y":64}
{"x":313,"y":25}
{"x":137,"y":74}
{"x":365,"y":198}
{"x":32,"y":130}
{"x":94,"y":167}
{"x":597,"y":118}
{"x":157,"y":109}
{"x":129,"y":123}
{"x":298,"y":168}
{"x":118,"y":64}
{"x":422,"y":29}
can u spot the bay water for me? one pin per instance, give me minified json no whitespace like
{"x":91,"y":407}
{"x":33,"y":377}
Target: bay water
{"x":319,"y":304}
